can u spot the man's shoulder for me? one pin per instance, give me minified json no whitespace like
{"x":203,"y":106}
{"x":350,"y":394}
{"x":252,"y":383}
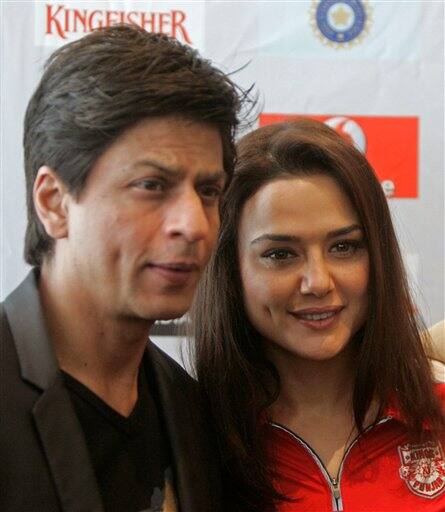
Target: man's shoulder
{"x":168,"y":365}
{"x":178,"y":391}
{"x":5,"y":329}
{"x":22,"y":300}
{"x":3,"y":319}
{"x":6,"y":334}
{"x":23,"y":327}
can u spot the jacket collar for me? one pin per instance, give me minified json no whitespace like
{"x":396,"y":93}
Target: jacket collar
{"x":58,"y":428}
{"x":38,"y":364}
{"x":392,"y":410}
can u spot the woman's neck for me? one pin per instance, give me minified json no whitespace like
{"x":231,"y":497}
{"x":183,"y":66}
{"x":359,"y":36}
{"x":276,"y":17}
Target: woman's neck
{"x":310,"y":385}
{"x":315,"y":402}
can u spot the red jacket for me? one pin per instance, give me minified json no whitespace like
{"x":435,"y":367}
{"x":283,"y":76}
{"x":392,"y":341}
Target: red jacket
{"x":381,"y":471}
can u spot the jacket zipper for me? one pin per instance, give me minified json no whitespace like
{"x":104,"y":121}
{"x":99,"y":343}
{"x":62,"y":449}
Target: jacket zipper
{"x":337,"y":503}
{"x":334,"y":483}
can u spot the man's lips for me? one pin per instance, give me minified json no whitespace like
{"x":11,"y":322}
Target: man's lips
{"x":318,"y":318}
{"x":176,"y":273}
{"x":180,"y":266}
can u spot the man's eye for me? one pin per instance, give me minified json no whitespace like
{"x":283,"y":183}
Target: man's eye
{"x":150,"y":184}
{"x":278,"y":255}
{"x":210,"y":191}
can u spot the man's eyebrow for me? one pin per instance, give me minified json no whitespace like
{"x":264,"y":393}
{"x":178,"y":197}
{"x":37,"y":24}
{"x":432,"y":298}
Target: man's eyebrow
{"x":212,"y":177}
{"x":275,"y":237}
{"x":174,"y":173}
{"x":165,"y":169}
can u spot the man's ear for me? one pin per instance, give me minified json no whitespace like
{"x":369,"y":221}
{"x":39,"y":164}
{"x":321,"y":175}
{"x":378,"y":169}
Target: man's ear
{"x":51,"y":199}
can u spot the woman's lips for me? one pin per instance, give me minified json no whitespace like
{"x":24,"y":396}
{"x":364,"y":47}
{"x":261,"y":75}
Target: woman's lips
{"x":318,"y":318}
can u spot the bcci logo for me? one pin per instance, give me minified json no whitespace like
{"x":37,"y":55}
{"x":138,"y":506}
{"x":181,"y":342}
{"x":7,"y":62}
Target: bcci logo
{"x":340,"y":23}
{"x":423,"y":468}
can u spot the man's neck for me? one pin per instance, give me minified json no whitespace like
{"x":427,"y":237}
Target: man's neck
{"x":99,"y":349}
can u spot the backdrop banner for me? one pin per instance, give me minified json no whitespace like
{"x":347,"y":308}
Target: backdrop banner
{"x":373,"y":70}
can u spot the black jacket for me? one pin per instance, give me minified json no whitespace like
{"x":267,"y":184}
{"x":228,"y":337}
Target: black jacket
{"x":44,"y":462}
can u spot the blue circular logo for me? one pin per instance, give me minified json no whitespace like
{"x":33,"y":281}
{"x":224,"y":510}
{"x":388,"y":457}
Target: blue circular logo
{"x":340,"y":21}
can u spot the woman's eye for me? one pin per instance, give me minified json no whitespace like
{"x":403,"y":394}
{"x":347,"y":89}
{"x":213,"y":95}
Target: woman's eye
{"x":278,"y":254}
{"x":345,"y":247}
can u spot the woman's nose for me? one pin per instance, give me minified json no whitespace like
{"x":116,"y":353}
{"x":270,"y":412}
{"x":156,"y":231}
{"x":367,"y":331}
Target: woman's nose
{"x":316,"y":278}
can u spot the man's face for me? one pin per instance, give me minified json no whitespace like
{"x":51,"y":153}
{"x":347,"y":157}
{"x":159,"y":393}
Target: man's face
{"x":146,"y":221}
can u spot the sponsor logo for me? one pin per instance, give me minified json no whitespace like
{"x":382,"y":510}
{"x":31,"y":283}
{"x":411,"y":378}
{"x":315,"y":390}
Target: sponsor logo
{"x":349,"y":130}
{"x":423,"y":468}
{"x":390,"y":144}
{"x":340,"y":23}
{"x":388,"y":188}
{"x":58,"y":23}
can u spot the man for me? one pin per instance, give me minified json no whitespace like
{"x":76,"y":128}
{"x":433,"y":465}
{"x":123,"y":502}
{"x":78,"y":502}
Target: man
{"x":128,"y":145}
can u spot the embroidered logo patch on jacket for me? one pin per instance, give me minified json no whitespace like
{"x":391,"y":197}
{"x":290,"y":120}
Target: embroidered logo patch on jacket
{"x":423,"y":468}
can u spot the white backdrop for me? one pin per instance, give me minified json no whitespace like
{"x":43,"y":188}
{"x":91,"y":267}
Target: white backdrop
{"x":387,"y":82}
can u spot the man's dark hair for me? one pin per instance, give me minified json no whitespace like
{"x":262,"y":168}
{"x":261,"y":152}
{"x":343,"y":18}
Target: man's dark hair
{"x":95,"y":88}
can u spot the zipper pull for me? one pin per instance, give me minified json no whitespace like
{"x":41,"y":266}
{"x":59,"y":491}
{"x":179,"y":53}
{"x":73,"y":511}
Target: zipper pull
{"x":336,"y":489}
{"x":338,"y":504}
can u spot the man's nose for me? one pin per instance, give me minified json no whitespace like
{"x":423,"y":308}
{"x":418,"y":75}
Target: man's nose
{"x":188,"y":218}
{"x":316,"y":277}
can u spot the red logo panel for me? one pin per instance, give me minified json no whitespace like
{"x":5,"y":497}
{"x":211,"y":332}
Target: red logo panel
{"x":389,"y":143}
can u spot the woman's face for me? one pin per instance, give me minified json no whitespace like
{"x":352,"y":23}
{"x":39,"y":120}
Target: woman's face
{"x":304,"y":266}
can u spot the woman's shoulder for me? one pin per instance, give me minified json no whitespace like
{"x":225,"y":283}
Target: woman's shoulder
{"x":435,"y":342}
{"x":438,"y":371}
{"x":439,"y":382}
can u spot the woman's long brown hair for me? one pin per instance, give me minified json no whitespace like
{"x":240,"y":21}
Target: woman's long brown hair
{"x":237,"y":380}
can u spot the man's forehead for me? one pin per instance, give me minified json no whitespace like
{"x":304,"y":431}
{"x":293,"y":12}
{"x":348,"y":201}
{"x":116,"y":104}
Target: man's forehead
{"x":177,"y":148}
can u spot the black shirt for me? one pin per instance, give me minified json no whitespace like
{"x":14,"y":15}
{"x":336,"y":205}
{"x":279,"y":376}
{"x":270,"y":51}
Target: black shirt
{"x":130,"y":456}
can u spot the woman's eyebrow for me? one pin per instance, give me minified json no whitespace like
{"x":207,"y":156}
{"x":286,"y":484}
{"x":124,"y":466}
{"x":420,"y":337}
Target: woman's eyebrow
{"x":344,"y":231}
{"x":275,"y":237}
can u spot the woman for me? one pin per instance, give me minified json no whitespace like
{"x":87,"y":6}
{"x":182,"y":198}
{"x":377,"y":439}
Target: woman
{"x":308,"y":349}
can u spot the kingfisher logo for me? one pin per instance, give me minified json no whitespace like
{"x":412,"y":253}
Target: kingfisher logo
{"x":389,"y":143}
{"x":340,"y":23}
{"x":57,"y":24}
